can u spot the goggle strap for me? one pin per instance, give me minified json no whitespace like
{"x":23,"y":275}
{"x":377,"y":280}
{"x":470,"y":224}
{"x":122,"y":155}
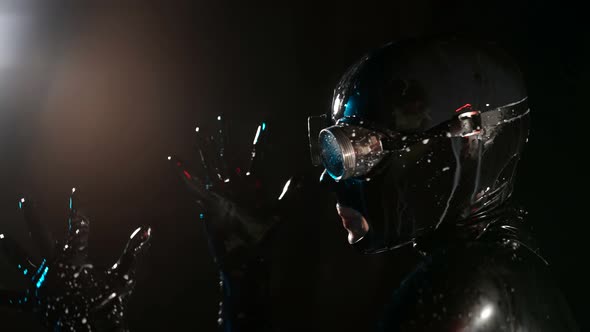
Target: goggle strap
{"x":473,"y":122}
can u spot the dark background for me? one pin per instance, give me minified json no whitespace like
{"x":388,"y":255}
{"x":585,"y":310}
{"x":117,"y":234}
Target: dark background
{"x":96,"y":96}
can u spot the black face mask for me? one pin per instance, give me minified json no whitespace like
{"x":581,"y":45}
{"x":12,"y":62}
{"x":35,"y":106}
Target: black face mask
{"x":406,"y":185}
{"x":422,"y":133}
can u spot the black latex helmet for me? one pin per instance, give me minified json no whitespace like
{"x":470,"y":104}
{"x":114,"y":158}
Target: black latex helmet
{"x":414,"y":90}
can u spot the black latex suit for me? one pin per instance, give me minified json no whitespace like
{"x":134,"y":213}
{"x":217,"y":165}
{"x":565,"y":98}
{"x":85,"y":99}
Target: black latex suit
{"x":422,"y":142}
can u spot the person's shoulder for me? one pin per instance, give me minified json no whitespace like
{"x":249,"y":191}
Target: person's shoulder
{"x":479,"y":286}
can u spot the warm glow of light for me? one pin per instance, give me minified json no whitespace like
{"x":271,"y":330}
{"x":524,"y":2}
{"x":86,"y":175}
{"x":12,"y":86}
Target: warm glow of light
{"x":12,"y":27}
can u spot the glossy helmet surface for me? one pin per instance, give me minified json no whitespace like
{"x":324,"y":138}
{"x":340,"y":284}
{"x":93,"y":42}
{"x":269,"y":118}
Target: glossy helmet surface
{"x":456,"y":117}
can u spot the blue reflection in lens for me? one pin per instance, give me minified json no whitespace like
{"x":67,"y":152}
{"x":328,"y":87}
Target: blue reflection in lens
{"x":331,"y":153}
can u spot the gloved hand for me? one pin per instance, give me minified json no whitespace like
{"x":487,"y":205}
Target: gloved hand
{"x":65,"y":290}
{"x":239,"y":206}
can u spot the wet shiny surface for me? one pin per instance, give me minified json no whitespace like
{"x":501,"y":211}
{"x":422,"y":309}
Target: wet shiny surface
{"x":445,"y":186}
{"x":445,"y":162}
{"x":239,"y":207}
{"x":350,"y":151}
{"x":65,"y":290}
{"x":485,"y":276}
{"x":414,"y":85}
{"x":237,"y":203}
{"x":111,"y":125}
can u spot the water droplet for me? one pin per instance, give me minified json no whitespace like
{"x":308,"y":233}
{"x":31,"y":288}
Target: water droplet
{"x":425,"y":141}
{"x":446,"y":168}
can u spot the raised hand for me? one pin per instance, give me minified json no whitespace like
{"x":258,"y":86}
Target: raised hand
{"x":239,"y":205}
{"x":64,"y":289}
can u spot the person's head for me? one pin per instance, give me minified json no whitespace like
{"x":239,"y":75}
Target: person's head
{"x":422,"y":133}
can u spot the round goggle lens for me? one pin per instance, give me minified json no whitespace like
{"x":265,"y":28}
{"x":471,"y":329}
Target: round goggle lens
{"x":331,"y":153}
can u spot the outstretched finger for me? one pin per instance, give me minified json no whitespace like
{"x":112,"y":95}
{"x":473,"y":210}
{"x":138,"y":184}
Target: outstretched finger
{"x":258,"y":149}
{"x":220,"y":142}
{"x":37,"y":230}
{"x":124,"y":269}
{"x":200,"y":190}
{"x":203,"y":148}
{"x":76,"y":247}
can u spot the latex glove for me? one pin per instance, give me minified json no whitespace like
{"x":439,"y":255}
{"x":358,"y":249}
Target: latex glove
{"x":238,"y":205}
{"x":64,"y":290}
